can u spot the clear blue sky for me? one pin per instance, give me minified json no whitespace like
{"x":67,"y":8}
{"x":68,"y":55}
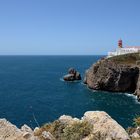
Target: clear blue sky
{"x":67,"y":26}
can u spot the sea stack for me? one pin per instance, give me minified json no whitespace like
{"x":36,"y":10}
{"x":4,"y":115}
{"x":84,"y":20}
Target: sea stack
{"x":72,"y":75}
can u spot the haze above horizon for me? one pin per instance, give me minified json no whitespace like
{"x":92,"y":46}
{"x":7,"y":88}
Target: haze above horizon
{"x":67,"y":27}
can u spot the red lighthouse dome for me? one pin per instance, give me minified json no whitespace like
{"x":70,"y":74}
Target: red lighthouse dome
{"x":120,"y":43}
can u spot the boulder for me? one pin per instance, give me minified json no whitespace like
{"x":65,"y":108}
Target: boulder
{"x":9,"y":131}
{"x":27,"y":132}
{"x":72,"y":75}
{"x":47,"y":135}
{"x":134,"y":132}
{"x":68,"y":119}
{"x":105,"y":126}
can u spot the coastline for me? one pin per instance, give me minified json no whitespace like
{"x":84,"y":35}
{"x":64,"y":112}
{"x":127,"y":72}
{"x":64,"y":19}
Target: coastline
{"x":115,"y":74}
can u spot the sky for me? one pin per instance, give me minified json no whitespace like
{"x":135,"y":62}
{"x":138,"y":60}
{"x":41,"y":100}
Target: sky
{"x":67,"y":27}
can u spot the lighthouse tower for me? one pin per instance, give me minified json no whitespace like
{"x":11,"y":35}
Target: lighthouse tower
{"x":120,"y":44}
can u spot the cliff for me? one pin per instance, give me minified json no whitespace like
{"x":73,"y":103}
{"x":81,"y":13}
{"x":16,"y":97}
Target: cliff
{"x":116,"y":74}
{"x":137,"y":91}
{"x":94,"y":125}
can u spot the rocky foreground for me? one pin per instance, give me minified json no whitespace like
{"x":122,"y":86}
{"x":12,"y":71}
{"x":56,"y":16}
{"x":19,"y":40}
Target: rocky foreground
{"x":94,"y":125}
{"x":117,"y":74}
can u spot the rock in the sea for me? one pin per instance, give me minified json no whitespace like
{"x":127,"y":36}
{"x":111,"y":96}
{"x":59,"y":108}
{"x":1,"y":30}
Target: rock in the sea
{"x":72,"y":75}
{"x":111,"y":76}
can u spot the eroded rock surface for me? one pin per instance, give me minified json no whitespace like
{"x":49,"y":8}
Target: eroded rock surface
{"x":103,"y":128}
{"x":137,"y":91}
{"x":72,"y":75}
{"x":9,"y":131}
{"x":111,"y":76}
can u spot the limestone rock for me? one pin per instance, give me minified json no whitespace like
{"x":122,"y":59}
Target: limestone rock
{"x":104,"y":125}
{"x":9,"y":131}
{"x":26,"y":128}
{"x":134,"y":132}
{"x":68,"y":119}
{"x":65,"y":119}
{"x":47,"y":135}
{"x":36,"y":129}
{"x":104,"y":128}
{"x":135,"y":135}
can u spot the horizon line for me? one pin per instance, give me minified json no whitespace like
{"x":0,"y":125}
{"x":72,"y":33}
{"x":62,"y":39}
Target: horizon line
{"x":52,"y":55}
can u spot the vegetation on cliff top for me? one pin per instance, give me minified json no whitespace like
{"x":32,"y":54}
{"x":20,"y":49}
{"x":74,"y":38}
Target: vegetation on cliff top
{"x":137,"y":121}
{"x":63,"y":131}
{"x":131,"y":58}
{"x":79,"y":130}
{"x":135,"y":129}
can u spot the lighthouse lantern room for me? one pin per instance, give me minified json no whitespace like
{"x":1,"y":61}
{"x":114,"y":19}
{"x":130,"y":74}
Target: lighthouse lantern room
{"x":120,"y":43}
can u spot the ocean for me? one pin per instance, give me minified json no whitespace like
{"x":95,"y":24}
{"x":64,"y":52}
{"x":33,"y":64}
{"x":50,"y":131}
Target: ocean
{"x":32,"y":91}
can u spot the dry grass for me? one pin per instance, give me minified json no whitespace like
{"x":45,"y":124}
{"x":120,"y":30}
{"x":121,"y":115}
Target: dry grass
{"x":62,"y":131}
{"x":135,"y":129}
{"x":137,"y":121}
{"x":130,"y":59}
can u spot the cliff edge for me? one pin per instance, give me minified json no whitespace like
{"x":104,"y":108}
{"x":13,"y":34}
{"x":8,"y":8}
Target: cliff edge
{"x":94,"y":125}
{"x":116,"y":74}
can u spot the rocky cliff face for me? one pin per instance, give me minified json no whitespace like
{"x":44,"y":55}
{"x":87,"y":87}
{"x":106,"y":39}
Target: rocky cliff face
{"x":9,"y":131}
{"x":94,"y":125}
{"x":110,"y":75}
{"x":137,"y":91}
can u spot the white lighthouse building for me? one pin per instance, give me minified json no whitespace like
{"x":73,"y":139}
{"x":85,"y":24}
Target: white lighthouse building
{"x":120,"y":50}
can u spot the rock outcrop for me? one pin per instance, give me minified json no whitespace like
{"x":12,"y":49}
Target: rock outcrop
{"x":109,"y":75}
{"x":137,"y":91}
{"x":94,"y":125}
{"x":9,"y":131}
{"x":72,"y":75}
{"x":104,"y":127}
{"x":134,"y":132}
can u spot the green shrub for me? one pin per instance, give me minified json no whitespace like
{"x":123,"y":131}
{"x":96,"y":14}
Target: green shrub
{"x":63,"y":131}
{"x":77,"y":131}
{"x":55,"y":128}
{"x":137,"y":121}
{"x":131,"y":130}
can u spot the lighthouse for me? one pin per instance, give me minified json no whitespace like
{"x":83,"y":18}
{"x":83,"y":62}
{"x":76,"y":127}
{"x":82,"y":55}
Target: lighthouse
{"x":126,"y":50}
{"x":120,"y":44}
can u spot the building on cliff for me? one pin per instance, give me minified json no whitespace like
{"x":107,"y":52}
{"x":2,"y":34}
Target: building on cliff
{"x":120,"y":50}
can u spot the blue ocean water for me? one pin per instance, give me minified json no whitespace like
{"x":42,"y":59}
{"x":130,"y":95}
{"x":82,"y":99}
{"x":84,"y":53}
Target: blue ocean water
{"x":31,"y":89}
